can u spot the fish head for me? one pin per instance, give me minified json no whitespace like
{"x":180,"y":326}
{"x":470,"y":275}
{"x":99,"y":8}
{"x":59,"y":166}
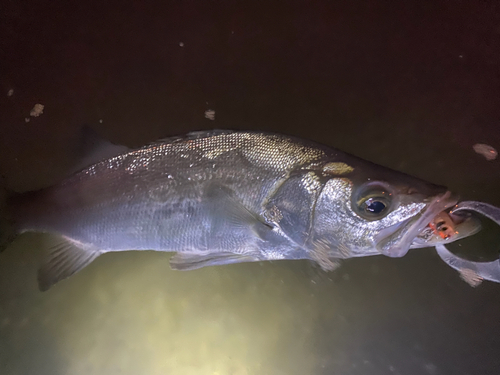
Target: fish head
{"x":373,"y":210}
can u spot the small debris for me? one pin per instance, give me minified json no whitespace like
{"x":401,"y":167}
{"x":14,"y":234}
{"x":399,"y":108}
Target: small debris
{"x":100,"y":121}
{"x":210,"y":114}
{"x":486,"y":150}
{"x":460,"y":56}
{"x":10,"y":92}
{"x":431,"y":368}
{"x":37,"y":110}
{"x":27,"y":119}
{"x":471,"y":277}
{"x":181,"y":44}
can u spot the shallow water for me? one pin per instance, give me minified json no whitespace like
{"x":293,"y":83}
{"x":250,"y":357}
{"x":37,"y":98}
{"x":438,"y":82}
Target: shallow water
{"x":412,"y":88}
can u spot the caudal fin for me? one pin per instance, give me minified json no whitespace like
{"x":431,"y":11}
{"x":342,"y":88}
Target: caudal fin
{"x":7,"y":230}
{"x":65,"y":257}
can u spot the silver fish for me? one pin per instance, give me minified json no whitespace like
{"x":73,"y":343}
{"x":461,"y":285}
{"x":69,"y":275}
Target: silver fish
{"x":222,"y":197}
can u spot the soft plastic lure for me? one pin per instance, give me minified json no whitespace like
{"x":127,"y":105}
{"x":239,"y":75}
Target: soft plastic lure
{"x":472,"y":272}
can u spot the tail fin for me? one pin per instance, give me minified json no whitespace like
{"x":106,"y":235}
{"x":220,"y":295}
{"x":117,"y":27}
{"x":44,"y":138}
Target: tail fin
{"x":7,"y":228}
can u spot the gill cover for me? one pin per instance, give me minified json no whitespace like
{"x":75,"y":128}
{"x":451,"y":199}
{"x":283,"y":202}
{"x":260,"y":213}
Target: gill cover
{"x":292,"y":204}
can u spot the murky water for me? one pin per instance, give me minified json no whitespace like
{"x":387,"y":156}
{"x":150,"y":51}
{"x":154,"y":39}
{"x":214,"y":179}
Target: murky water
{"x":412,"y":88}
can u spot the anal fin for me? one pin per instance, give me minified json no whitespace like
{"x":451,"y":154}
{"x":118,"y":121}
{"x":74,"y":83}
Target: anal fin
{"x":66,"y":258}
{"x":190,"y":261}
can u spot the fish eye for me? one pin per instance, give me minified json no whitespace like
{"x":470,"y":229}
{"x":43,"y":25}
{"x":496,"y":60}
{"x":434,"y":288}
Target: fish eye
{"x":373,"y":201}
{"x":374,"y":206}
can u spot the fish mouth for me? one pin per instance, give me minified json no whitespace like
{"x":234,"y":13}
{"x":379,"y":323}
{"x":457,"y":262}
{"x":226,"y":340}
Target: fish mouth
{"x":463,"y":225}
{"x":397,"y":240}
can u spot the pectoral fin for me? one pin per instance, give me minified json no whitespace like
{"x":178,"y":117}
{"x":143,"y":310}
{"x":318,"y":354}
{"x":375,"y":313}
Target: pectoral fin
{"x":233,"y":227}
{"x":229,"y":215}
{"x":66,"y":258}
{"x":190,"y":261}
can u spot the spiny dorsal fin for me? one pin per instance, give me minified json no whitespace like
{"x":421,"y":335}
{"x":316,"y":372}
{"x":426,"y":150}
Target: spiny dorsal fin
{"x":92,"y":149}
{"x":191,"y":136}
{"x":66,"y":258}
{"x":7,"y":226}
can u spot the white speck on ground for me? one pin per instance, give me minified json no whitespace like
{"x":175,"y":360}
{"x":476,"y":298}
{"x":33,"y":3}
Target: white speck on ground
{"x":10,"y":92}
{"x":37,"y":110}
{"x":100,"y":121}
{"x":27,"y":119}
{"x":210,"y":114}
{"x":486,"y":150}
{"x":471,"y":277}
{"x":181,"y":44}
{"x":431,"y":368}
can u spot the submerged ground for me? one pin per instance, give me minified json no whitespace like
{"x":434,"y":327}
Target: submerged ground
{"x":412,"y":87}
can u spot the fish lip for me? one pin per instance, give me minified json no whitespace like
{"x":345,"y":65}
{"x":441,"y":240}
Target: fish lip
{"x":410,"y":229}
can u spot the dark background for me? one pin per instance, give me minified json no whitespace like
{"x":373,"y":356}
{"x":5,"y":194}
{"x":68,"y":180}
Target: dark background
{"x":411,"y":85}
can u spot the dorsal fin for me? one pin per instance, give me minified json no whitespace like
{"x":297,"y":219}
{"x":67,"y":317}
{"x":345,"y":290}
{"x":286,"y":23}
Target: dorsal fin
{"x":92,"y":149}
{"x":191,"y":136}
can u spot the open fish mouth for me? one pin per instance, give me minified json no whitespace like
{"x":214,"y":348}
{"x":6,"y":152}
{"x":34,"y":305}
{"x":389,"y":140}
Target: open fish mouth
{"x":396,"y":241}
{"x":445,"y":221}
{"x":447,"y":227}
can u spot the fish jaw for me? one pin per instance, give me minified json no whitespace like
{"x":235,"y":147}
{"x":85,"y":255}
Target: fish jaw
{"x":397,"y":240}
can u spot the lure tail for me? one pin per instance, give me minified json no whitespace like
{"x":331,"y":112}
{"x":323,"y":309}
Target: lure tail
{"x":473,"y":272}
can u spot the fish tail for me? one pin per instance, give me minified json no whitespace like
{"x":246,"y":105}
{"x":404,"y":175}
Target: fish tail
{"x":8,"y":230}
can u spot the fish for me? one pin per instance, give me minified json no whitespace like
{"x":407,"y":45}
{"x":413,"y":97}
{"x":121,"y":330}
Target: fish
{"x":222,"y":197}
